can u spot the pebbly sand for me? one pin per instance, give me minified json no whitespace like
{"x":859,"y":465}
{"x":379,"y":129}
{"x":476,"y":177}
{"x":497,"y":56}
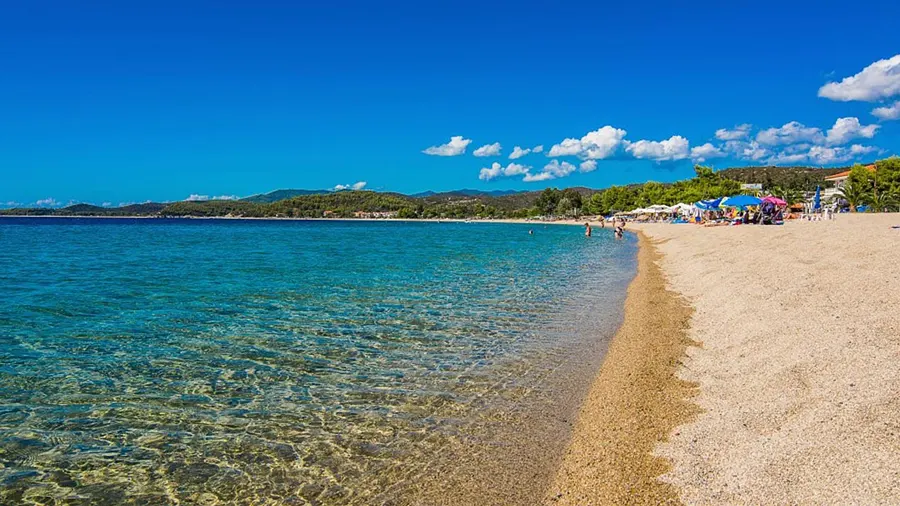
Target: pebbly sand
{"x":797,"y":368}
{"x":635,"y":401}
{"x":799,"y":371}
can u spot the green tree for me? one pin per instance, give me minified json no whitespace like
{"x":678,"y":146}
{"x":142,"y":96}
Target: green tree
{"x":565,"y":207}
{"x":883,"y":201}
{"x":855,"y":193}
{"x":573,"y":196}
{"x":548,"y":201}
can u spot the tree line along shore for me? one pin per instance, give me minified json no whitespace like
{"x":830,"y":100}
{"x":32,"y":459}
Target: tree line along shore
{"x":879,"y":188}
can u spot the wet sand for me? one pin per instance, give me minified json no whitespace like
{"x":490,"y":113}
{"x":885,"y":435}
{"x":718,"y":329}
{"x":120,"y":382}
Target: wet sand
{"x":635,"y":401}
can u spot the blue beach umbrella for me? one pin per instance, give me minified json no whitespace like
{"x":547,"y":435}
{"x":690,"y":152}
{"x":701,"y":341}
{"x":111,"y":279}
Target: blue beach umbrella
{"x":742,"y":201}
{"x":709,"y":205}
{"x":817,"y":202}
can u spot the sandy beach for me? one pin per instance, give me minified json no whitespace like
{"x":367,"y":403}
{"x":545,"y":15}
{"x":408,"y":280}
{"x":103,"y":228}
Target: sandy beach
{"x":797,"y":334}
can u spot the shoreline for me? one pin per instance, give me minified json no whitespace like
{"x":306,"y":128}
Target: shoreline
{"x":635,"y":401}
{"x":511,"y":221}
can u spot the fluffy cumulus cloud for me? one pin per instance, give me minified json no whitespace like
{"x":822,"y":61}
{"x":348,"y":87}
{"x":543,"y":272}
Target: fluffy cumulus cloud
{"x":671,"y":149}
{"x":847,"y":129}
{"x":47,"y":202}
{"x":518,"y":152}
{"x":888,"y":112}
{"x":588,"y":166}
{"x":706,"y":152}
{"x":537,"y":149}
{"x":457,"y":146}
{"x":496,"y":170}
{"x":359,"y":185}
{"x":553,"y":170}
{"x":790,"y":133}
{"x":818,"y":155}
{"x":488,"y":150}
{"x":596,"y":145}
{"x":733,"y":134}
{"x":747,"y":150}
{"x":878,"y":81}
{"x":194,"y":197}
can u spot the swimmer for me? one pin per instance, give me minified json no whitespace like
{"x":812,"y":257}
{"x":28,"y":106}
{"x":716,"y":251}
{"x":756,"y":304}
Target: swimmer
{"x":587,"y":229}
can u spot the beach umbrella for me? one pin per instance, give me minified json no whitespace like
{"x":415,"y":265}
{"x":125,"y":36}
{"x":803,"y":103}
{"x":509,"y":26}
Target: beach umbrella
{"x":741,"y":201}
{"x":708,"y":205}
{"x":817,"y":201}
{"x":775,"y":200}
{"x":659,"y":208}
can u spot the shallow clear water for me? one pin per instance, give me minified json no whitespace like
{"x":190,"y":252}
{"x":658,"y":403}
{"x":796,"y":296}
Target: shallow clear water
{"x":277,"y":362}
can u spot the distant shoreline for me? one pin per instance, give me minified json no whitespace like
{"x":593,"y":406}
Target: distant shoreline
{"x":253,"y":218}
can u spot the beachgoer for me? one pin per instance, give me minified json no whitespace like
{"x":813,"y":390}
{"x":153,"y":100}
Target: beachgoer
{"x":531,"y":232}
{"x":619,"y":232}
{"x":587,"y":229}
{"x":602,"y":222}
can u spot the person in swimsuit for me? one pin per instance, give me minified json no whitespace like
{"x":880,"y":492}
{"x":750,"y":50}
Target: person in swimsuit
{"x":587,"y":229}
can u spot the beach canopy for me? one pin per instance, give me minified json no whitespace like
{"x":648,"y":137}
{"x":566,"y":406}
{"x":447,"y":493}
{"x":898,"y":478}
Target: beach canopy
{"x":708,"y":205}
{"x":741,"y":201}
{"x":659,"y":208}
{"x":817,"y":201}
{"x":775,"y":200}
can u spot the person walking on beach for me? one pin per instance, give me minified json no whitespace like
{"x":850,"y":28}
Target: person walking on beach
{"x":587,"y":229}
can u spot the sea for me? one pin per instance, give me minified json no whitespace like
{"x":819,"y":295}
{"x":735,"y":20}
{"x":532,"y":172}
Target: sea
{"x":217,"y":361}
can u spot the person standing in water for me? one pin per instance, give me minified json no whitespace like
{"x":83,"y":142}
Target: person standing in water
{"x":587,"y":229}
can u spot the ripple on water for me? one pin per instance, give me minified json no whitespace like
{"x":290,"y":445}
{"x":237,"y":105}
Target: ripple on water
{"x":161,"y":362}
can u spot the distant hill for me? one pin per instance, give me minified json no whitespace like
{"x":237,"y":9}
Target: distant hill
{"x":275,"y":196}
{"x":467,"y":193}
{"x":801,"y":178}
{"x":145,"y":209}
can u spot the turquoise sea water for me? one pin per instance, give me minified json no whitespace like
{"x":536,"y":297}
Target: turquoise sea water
{"x":279,"y":362}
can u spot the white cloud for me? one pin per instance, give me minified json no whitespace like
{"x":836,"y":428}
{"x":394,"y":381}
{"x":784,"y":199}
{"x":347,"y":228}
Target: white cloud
{"x":455,"y":147}
{"x":225,"y":197}
{"x":878,"y":81}
{"x":106,"y":204}
{"x":47,"y":202}
{"x":488,"y":150}
{"x":738,"y":132}
{"x":858,"y":149}
{"x":541,"y":176}
{"x":568,"y":147}
{"x":888,"y":112}
{"x":197,"y":198}
{"x":518,"y":152}
{"x":553,"y":170}
{"x":538,"y":148}
{"x":824,"y":155}
{"x":12,"y":203}
{"x":595,"y":145}
{"x":355,"y":186}
{"x":706,"y":152}
{"x":673,"y":148}
{"x":588,"y":166}
{"x":496,"y":170}
{"x":790,"y":133}
{"x":751,"y":150}
{"x":820,"y":155}
{"x":847,"y":129}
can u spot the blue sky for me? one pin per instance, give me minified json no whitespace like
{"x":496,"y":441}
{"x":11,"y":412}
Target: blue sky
{"x":112,"y":102}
